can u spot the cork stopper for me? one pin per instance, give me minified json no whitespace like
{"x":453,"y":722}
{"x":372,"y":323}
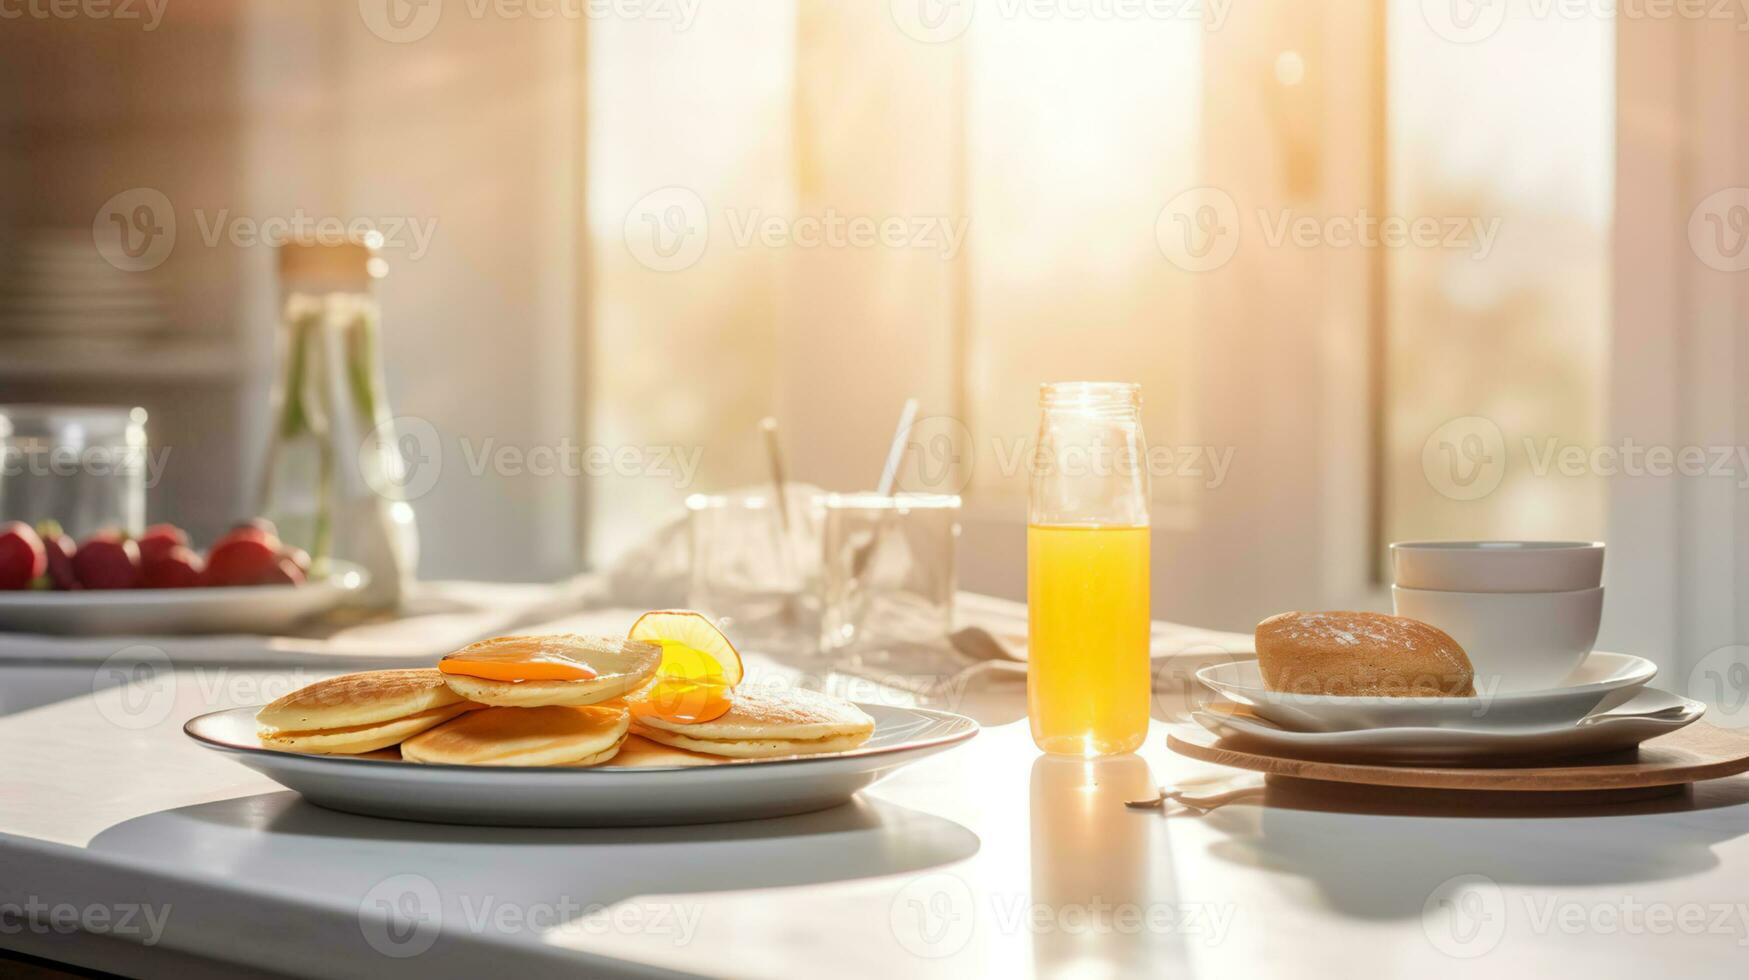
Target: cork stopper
{"x":329,"y":264}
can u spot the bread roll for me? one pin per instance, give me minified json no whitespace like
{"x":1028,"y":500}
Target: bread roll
{"x":1361,"y":654}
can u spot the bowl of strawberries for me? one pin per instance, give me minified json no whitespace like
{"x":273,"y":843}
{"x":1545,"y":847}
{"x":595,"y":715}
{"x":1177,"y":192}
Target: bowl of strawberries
{"x":247,"y":581}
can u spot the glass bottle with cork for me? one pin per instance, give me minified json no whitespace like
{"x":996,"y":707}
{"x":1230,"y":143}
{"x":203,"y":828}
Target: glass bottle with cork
{"x":334,"y":479}
{"x":1087,"y":544}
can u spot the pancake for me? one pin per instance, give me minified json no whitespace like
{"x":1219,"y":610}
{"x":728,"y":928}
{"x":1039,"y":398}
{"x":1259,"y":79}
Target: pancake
{"x":752,"y":749}
{"x":356,"y":713}
{"x":620,"y":666}
{"x":358,"y":739}
{"x":638,"y":752}
{"x":606,"y":755}
{"x":358,"y":699}
{"x":551,"y":735}
{"x":763,"y":724}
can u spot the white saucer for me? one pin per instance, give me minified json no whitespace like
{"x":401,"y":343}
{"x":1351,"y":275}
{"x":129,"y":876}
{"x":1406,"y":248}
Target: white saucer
{"x":597,"y":796}
{"x":1603,"y":680}
{"x":1648,"y":714}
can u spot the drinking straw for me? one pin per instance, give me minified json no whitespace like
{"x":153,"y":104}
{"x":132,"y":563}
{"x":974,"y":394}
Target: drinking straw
{"x":780,"y":495}
{"x":896,"y":452}
{"x":864,"y":553}
{"x":774,"y":453}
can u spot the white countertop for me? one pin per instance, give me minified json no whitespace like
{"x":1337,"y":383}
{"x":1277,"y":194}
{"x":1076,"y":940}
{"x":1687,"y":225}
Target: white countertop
{"x":986,"y":860}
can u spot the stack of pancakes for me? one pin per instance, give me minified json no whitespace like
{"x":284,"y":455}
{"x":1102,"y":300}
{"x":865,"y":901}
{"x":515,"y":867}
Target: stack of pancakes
{"x":456,"y":719}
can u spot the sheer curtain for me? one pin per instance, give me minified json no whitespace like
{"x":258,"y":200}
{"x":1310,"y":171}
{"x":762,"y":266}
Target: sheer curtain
{"x":1018,"y":166}
{"x":1062,"y":153}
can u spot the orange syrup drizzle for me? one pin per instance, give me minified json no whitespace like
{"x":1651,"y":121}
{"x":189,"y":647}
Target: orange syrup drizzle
{"x":515,"y":665}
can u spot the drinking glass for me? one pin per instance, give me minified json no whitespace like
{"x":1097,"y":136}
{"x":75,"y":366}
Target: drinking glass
{"x":82,"y":466}
{"x":887,"y":572}
{"x":748,"y":566}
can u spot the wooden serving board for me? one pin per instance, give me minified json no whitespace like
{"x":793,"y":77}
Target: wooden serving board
{"x":1698,"y":752}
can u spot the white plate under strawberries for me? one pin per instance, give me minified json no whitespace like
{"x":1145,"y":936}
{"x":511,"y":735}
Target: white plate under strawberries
{"x":166,"y":612}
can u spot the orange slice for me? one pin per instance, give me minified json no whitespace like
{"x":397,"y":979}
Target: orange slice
{"x":699,"y":668}
{"x":693,"y":631}
{"x":509,"y":660}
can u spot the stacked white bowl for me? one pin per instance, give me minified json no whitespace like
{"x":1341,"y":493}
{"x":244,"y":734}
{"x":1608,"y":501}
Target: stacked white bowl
{"x":1526,"y":612}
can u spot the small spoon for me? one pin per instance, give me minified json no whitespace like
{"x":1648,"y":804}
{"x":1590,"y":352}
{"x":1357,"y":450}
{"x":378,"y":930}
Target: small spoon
{"x":1201,"y":804}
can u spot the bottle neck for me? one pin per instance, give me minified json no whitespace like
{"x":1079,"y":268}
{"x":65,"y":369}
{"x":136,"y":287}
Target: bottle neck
{"x":1108,"y":400}
{"x":1090,"y":461}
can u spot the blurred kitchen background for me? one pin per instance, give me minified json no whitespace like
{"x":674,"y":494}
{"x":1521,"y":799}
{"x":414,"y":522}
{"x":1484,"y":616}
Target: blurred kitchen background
{"x":591,"y":213}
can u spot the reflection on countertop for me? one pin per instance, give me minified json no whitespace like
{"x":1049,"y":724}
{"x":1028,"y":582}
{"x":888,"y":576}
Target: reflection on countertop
{"x":1095,"y":875}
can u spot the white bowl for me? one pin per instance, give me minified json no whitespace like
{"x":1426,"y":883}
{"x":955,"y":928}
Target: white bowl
{"x":1517,"y":641}
{"x":1498,"y":566}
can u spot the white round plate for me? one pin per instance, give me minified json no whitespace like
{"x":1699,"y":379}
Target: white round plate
{"x":1648,"y":714}
{"x":1603,"y":680}
{"x":251,"y":609}
{"x":596,"y":796}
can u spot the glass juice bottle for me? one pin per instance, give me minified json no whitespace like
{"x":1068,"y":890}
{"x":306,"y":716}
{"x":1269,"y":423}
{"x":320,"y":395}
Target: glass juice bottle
{"x":334,"y":476}
{"x":1087,"y":682}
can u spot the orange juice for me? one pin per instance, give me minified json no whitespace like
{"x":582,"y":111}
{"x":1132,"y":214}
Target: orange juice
{"x":1087,"y":681}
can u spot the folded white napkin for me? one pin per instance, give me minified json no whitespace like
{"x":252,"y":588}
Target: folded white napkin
{"x":989,"y":644}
